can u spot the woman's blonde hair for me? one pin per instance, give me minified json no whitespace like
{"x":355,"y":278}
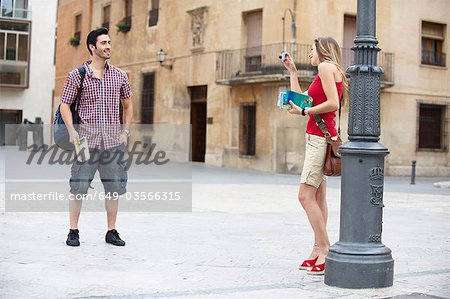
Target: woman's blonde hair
{"x":329,"y":50}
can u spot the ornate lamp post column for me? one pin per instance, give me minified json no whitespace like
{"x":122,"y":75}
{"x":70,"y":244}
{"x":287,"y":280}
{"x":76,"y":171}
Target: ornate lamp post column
{"x":359,"y":259}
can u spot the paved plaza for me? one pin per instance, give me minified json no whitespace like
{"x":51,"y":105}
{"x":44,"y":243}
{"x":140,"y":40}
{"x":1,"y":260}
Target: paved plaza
{"x":244,"y":238}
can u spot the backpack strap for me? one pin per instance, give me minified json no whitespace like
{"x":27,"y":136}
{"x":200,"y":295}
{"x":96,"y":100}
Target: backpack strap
{"x":82,"y":71}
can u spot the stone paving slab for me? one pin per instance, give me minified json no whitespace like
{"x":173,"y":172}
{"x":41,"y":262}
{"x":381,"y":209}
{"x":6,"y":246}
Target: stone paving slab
{"x":415,"y":296}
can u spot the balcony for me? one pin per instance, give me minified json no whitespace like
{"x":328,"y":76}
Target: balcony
{"x":124,"y":25}
{"x":13,"y":73}
{"x":14,"y":13}
{"x":261,"y":64}
{"x":384,"y":59}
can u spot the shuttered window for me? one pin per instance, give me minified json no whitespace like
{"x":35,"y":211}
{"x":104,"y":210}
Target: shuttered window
{"x":126,"y":22}
{"x":153,"y":14}
{"x":349,"y":35}
{"x":106,"y":16}
{"x":128,"y":8}
{"x":253,"y":23}
{"x":78,"y":19}
{"x":433,"y":40}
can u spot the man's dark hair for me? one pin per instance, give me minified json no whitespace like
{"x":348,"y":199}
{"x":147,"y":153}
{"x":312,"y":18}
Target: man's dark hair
{"x":92,"y":37}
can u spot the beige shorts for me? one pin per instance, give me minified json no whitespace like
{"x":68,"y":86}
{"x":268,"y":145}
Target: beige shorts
{"x":312,"y":173}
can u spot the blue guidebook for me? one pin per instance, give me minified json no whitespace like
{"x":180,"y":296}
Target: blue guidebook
{"x":298,"y":99}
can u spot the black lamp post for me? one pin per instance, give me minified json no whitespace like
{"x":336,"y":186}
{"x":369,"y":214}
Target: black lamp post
{"x":359,"y":259}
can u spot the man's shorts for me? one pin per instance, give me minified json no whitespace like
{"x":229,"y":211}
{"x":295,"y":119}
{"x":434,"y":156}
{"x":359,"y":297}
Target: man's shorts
{"x":111,"y":166}
{"x":312,"y":173}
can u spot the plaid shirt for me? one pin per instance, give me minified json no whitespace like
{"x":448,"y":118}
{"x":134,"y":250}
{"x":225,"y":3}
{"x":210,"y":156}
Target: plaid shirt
{"x":99,"y":105}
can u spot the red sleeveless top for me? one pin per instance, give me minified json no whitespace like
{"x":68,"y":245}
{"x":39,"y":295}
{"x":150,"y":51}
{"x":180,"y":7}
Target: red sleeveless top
{"x":316,"y":92}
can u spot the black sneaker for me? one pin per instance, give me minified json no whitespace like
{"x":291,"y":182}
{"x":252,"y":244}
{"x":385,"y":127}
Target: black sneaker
{"x":73,"y":239}
{"x":112,"y":237}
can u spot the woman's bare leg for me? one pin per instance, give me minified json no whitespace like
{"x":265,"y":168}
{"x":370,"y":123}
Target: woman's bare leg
{"x":307,"y":197}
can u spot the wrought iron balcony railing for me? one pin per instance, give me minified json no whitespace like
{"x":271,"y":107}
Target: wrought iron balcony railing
{"x":261,"y":64}
{"x":384,"y":59}
{"x":433,"y":58}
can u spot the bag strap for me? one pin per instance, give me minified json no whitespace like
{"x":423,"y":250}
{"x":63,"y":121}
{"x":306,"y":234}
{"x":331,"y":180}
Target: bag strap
{"x":321,"y":124}
{"x":323,"y":127}
{"x":82,"y":71}
{"x":339,"y":122}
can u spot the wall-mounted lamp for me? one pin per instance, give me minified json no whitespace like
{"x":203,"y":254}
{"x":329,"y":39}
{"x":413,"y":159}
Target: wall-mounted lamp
{"x":161,"y":56}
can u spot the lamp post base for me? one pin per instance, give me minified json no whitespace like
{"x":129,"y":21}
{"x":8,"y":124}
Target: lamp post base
{"x":359,"y":259}
{"x":359,"y":267}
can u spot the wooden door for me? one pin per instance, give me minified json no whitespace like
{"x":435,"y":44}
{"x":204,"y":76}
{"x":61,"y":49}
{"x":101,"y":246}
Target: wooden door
{"x":198,"y":122}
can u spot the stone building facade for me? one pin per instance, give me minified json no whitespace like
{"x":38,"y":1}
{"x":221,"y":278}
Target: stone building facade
{"x":222,"y":75}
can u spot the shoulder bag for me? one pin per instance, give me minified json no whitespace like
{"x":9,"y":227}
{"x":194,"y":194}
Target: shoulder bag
{"x":332,"y":164}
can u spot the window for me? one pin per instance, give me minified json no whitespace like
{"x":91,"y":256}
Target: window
{"x":14,"y":53}
{"x":153,"y":14}
{"x":128,"y":6}
{"x":78,"y":20}
{"x":433,"y":40}
{"x":17,"y":9}
{"x":2,"y":43}
{"x":148,"y":98}
{"x":253,"y":23}
{"x":247,"y":120}
{"x":349,"y":35}
{"x":125,"y":24}
{"x":433,"y":122}
{"x":22,"y":49}
{"x":106,"y":16}
{"x":11,"y":49}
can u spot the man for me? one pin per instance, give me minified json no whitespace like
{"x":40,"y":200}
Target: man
{"x":104,"y":87}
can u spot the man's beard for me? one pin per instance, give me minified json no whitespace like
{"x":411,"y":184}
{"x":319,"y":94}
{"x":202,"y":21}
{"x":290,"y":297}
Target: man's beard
{"x":103,"y":55}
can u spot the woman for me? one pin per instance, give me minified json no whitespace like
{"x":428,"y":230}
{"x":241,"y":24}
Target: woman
{"x":326,"y":91}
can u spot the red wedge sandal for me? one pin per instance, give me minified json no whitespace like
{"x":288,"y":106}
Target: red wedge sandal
{"x":317,"y":270}
{"x":307,"y":264}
